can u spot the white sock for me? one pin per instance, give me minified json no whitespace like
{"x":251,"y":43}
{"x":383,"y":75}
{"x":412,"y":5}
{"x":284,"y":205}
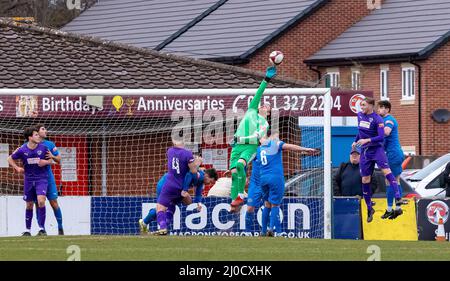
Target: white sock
{"x":397,"y":207}
{"x":389,"y":209}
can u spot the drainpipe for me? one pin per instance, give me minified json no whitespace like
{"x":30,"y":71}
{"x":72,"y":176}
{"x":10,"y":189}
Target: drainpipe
{"x":419,"y":99}
{"x":319,"y":74}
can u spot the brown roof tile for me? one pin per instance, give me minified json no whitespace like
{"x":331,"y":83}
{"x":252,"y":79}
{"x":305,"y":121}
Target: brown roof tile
{"x":34,"y":57}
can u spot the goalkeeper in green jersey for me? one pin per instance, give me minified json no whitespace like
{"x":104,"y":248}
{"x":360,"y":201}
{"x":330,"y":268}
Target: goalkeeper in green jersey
{"x":246,"y":140}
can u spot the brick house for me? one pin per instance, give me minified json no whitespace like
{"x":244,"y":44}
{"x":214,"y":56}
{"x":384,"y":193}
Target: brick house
{"x":308,"y":35}
{"x":234,"y":32}
{"x":34,"y":57}
{"x":401,"y":52}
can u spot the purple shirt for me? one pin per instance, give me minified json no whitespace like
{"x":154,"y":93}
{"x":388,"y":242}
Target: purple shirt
{"x":30,"y":159}
{"x":370,"y":126}
{"x":178,"y":160}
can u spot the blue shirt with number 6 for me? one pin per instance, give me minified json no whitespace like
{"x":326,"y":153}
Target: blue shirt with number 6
{"x":269,"y":154}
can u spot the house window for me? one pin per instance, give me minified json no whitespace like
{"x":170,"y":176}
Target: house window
{"x":384,"y":84}
{"x":408,"y":85}
{"x":332,"y":79}
{"x":356,"y":80}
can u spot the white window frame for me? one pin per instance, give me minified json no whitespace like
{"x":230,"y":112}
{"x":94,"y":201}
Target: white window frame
{"x":334,"y":77}
{"x":356,"y":80}
{"x":384,"y":84}
{"x":408,"y":83}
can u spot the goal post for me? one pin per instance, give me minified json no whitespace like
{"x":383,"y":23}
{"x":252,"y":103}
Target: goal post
{"x":328,"y":195}
{"x":142,"y":117}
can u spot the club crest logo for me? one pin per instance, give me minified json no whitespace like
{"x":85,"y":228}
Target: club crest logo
{"x":355,"y":102}
{"x":39,"y":152}
{"x":435,"y":210}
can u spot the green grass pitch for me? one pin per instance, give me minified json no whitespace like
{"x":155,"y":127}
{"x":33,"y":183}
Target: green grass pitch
{"x":196,"y":248}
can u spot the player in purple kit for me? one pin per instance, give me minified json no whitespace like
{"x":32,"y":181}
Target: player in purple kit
{"x":179,"y":162}
{"x":370,"y":138}
{"x":33,"y":156}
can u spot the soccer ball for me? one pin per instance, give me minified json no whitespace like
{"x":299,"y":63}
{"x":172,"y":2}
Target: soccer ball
{"x":276,"y":57}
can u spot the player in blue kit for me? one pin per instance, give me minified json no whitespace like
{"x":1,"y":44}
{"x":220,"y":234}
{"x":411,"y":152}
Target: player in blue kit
{"x":370,"y":138}
{"x":255,"y":196}
{"x":52,"y":191}
{"x":394,"y":154}
{"x":269,"y":154}
{"x":197,"y":181}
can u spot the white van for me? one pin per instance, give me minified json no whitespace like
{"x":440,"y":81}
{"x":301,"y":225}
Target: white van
{"x":427,"y":182}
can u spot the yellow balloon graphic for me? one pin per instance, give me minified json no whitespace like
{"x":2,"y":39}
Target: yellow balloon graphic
{"x":117,"y":101}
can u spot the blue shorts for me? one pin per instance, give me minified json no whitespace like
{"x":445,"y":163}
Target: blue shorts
{"x":395,"y":163}
{"x":396,"y":167}
{"x":255,"y":195}
{"x":52,"y":190}
{"x":273,"y":189}
{"x":369,"y":156}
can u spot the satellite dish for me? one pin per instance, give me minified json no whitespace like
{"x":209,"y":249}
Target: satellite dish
{"x":441,"y":115}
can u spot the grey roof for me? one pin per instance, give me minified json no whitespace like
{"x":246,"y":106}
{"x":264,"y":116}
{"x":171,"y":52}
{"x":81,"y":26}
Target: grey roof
{"x":37,"y":57}
{"x":142,"y":23}
{"x":239,"y":27}
{"x":209,"y":29}
{"x":401,"y":28}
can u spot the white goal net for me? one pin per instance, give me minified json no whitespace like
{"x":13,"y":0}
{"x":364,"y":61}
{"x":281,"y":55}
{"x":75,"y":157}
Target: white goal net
{"x":113,"y":146}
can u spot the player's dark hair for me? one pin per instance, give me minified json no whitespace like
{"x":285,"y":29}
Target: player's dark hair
{"x":212,"y":173}
{"x":39,"y":126}
{"x":370,"y":101}
{"x":28,"y":132}
{"x":385,"y":104}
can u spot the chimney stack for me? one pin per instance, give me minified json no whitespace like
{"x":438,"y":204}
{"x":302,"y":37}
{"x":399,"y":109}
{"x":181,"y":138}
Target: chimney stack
{"x":374,"y":4}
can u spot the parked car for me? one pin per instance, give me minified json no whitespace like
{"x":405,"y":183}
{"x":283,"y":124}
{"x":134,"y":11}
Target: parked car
{"x":306,"y":183}
{"x":426,"y":182}
{"x":380,"y":192}
{"x":309,"y":183}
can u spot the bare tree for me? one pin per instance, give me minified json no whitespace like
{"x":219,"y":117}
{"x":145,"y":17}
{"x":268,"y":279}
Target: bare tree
{"x":17,"y":8}
{"x":49,"y":13}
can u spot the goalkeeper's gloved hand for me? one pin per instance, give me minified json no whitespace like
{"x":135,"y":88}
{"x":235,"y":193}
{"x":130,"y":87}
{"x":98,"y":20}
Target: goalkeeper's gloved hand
{"x":270,"y":73}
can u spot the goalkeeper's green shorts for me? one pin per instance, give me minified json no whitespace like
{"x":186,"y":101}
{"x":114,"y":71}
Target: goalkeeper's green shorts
{"x":242,"y":151}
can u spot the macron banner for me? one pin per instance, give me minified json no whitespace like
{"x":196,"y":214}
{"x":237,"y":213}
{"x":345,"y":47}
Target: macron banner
{"x":300,"y":217}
